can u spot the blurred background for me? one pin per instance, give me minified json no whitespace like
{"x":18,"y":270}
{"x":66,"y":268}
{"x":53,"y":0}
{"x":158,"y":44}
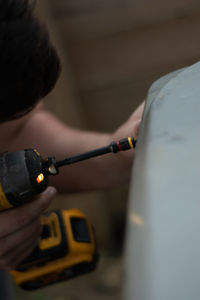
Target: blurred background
{"x":111,"y":51}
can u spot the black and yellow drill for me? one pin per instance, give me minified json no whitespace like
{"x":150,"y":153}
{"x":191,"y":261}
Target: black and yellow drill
{"x":67,"y":247}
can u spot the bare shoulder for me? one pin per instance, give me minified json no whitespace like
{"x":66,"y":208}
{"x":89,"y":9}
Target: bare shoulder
{"x":10,"y":130}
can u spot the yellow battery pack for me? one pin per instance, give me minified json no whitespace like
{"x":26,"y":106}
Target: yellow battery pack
{"x":67,"y":249}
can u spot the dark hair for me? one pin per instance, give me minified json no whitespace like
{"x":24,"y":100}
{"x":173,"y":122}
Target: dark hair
{"x":29,"y":65}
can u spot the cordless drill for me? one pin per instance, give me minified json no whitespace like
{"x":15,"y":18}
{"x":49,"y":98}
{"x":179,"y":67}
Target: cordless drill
{"x":24,"y":174}
{"x":67,"y":247}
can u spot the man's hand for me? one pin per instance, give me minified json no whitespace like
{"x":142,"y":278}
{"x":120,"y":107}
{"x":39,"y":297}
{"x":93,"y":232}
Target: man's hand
{"x":131,"y":126}
{"x":124,"y":160}
{"x":20,"y":230}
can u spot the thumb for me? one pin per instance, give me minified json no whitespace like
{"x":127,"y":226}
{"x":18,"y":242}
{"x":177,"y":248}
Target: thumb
{"x":48,"y":195}
{"x":136,"y":129}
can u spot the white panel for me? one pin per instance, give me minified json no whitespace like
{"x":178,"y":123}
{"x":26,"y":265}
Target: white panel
{"x":163,"y":240}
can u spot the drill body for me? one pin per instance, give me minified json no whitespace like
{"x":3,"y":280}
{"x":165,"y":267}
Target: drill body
{"x":67,"y":247}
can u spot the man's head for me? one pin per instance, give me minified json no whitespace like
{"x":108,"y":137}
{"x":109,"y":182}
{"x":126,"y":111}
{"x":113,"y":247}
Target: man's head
{"x":29,"y":65}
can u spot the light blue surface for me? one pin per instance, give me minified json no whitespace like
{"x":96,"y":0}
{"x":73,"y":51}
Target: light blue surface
{"x":162,"y":257}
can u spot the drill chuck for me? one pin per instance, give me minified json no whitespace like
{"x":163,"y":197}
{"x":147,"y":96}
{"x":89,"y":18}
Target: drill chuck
{"x":21,"y":177}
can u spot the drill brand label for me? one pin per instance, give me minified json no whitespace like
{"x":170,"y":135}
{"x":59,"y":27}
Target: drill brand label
{"x":4,"y":204}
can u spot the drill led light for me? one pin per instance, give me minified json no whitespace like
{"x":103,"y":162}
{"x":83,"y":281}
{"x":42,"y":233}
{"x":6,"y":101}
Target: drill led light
{"x":40,"y":178}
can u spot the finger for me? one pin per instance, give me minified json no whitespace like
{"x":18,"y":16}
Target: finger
{"x":17,"y":255}
{"x":13,"y":241}
{"x":14,"y":219}
{"x":138,"y":112}
{"x":136,"y":129}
